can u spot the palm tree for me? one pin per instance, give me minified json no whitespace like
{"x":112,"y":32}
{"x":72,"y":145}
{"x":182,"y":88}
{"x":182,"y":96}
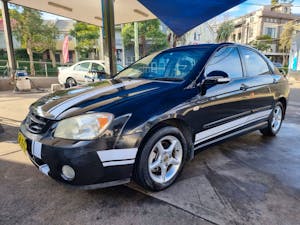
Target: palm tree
{"x":224,"y":31}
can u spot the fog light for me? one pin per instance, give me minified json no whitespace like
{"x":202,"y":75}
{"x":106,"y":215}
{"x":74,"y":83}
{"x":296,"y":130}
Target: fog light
{"x":68,"y":172}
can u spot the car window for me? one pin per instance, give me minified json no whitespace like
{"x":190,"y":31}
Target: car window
{"x":226,"y":60}
{"x":168,"y":65}
{"x":254,"y":63}
{"x":97,"y":67}
{"x":82,"y":67}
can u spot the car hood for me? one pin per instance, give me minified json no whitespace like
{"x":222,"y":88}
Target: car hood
{"x":97,"y":96}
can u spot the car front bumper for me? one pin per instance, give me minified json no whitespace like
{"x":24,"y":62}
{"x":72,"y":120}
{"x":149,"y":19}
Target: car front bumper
{"x":96,"y":163}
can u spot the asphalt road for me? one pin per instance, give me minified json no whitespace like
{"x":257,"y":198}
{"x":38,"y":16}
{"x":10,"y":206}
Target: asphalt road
{"x":247,"y":180}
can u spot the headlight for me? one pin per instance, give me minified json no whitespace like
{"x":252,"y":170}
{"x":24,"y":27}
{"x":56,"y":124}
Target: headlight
{"x":85,"y":127}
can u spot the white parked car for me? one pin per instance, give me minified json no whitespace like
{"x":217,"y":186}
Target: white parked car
{"x":83,"y":72}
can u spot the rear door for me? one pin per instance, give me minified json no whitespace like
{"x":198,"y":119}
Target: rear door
{"x":259,"y":79}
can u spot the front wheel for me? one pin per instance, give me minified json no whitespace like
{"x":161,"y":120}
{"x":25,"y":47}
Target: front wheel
{"x":162,"y":159}
{"x":275,"y":121}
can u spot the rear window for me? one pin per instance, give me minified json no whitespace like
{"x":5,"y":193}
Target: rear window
{"x":254,"y":63}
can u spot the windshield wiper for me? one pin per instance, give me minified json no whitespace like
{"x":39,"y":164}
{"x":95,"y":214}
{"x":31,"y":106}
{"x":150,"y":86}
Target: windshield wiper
{"x":167,"y":78}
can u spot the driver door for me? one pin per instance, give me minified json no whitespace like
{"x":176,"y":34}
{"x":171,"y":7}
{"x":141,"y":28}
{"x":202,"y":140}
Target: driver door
{"x":222,"y":106}
{"x":98,"y":71}
{"x":80,"y":71}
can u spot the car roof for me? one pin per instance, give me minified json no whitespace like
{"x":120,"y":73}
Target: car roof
{"x":92,"y":60}
{"x":199,"y":46}
{"x":212,"y":46}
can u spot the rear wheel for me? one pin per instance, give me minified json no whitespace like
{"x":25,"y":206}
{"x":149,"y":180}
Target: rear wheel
{"x":162,"y":159}
{"x":71,"y":82}
{"x":275,"y":121}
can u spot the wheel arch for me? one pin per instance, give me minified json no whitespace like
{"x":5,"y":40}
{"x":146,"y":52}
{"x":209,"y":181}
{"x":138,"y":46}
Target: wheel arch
{"x":283,"y":101}
{"x":175,"y":122}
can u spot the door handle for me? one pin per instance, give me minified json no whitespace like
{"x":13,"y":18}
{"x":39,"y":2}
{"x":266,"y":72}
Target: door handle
{"x":244,"y":87}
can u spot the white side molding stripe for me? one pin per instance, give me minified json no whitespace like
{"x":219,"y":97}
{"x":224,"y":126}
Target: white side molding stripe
{"x":215,"y":131}
{"x":118,"y":163}
{"x":116,"y":157}
{"x":36,"y":149}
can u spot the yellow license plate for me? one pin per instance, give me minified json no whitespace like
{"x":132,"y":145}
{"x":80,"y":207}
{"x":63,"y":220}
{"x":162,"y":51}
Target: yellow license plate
{"x":22,"y":142}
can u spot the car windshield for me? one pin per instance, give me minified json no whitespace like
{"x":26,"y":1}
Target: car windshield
{"x":169,"y":65}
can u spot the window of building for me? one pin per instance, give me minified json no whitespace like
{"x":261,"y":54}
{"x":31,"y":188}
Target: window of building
{"x":250,"y":32}
{"x":226,"y":60}
{"x":270,"y":31}
{"x":254,"y":63}
{"x":196,"y":36}
{"x":239,"y":36}
{"x":234,"y":37}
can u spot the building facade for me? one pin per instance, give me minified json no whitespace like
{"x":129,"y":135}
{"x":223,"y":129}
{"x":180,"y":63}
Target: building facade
{"x":269,"y":20}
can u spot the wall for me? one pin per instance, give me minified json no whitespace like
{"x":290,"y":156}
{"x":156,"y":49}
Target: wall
{"x":39,"y":82}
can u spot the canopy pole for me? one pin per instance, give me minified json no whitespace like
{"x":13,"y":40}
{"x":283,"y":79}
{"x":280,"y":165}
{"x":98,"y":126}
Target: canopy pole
{"x":8,"y":40}
{"x":109,"y":35}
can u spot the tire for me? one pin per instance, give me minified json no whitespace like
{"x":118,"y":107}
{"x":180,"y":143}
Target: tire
{"x":275,"y":121}
{"x":166,"y":162}
{"x":70,"y":82}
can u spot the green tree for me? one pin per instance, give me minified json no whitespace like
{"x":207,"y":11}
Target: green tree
{"x":274,"y":2}
{"x":262,"y":43}
{"x":51,"y":34}
{"x":224,"y":31}
{"x":149,"y":33}
{"x":86,"y":37}
{"x":32,"y":32}
{"x":286,"y":39}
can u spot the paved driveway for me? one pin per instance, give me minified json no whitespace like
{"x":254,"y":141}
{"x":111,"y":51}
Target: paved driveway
{"x":247,"y":180}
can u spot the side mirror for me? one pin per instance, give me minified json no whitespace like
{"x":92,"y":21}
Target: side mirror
{"x":213,"y":78}
{"x":216,"y":80}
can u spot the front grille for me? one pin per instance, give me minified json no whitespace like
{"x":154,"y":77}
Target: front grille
{"x":37,"y":124}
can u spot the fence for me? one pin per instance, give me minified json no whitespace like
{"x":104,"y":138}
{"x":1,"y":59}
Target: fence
{"x":42,"y":69}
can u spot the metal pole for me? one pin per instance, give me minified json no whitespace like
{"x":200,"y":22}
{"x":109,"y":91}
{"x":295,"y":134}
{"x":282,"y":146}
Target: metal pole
{"x":136,"y":41}
{"x":76,"y":52}
{"x":123,"y":49}
{"x":109,"y":35}
{"x":46,"y":70}
{"x":8,"y":39}
{"x":101,"y":48}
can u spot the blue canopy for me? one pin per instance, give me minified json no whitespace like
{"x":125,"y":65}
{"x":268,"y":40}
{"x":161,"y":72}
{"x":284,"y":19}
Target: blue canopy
{"x":183,"y":15}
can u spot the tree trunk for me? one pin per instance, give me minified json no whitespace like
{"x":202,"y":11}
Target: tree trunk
{"x":30,"y":54}
{"x":143,"y":40}
{"x":52,"y":57}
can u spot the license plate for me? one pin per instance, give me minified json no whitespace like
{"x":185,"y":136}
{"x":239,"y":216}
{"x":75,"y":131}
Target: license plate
{"x":22,"y":142}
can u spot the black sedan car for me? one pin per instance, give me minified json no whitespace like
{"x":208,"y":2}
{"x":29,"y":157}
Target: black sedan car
{"x":148,"y":120}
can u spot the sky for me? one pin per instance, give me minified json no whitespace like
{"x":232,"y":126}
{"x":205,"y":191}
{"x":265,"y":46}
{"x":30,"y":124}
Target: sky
{"x":252,"y":5}
{"x":244,"y":8}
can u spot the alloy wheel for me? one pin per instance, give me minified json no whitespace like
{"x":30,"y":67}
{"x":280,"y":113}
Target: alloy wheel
{"x":276,"y":119}
{"x":165,"y":159}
